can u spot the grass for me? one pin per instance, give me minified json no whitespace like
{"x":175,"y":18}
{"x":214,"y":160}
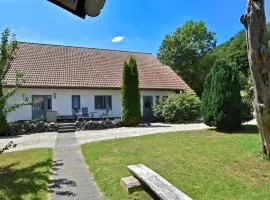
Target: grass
{"x":25,"y":174}
{"x":204,"y":164}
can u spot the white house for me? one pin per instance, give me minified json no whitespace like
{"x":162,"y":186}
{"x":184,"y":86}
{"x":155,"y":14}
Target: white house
{"x":70,"y":79}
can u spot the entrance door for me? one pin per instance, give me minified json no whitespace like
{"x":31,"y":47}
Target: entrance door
{"x":41,"y":104}
{"x":147,"y":108}
{"x":76,"y":104}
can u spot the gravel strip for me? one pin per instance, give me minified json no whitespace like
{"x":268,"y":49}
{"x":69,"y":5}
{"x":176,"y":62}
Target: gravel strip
{"x":91,"y":136}
{"x":37,"y":140}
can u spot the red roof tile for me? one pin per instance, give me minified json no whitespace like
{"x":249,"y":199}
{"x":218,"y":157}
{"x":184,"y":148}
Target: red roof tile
{"x":56,"y":66}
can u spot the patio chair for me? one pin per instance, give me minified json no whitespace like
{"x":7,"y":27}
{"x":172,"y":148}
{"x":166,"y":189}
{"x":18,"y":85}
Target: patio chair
{"x":85,"y":112}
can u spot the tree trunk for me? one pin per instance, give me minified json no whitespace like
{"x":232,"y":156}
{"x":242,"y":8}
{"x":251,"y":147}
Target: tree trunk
{"x":259,"y":60}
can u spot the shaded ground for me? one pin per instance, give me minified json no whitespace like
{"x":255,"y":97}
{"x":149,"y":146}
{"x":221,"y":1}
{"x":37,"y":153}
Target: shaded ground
{"x":205,"y":164}
{"x":25,"y":174}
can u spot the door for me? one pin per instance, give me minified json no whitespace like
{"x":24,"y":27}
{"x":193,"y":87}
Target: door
{"x":147,"y":108}
{"x":41,"y":104}
{"x":76,"y":104}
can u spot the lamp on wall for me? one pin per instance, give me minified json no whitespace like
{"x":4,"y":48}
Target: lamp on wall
{"x":54,"y":95}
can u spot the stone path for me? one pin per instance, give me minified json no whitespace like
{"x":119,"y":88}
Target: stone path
{"x":71,"y":179}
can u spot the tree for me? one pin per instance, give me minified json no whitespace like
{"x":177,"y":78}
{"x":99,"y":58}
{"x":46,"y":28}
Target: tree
{"x":236,"y":51}
{"x":136,"y":102}
{"x":131,"y":107}
{"x":8,"y":49}
{"x":254,"y":22}
{"x":221,"y":101}
{"x":186,"y":50}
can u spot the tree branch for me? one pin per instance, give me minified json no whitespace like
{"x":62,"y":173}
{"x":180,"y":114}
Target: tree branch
{"x":8,"y":146}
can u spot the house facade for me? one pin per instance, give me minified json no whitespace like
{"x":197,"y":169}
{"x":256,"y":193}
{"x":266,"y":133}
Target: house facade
{"x":71,"y":80}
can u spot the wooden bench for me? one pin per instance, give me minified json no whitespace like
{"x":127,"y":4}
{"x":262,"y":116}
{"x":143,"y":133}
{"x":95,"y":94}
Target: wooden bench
{"x":163,"y":189}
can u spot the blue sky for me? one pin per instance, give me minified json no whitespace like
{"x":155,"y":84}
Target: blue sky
{"x":142,"y":24}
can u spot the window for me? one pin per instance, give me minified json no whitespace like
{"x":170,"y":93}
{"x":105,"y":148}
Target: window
{"x":76,"y":103}
{"x":103,"y":102}
{"x":157,"y":99}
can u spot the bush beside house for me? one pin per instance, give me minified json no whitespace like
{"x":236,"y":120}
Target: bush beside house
{"x":221,"y":100}
{"x":178,"y":108}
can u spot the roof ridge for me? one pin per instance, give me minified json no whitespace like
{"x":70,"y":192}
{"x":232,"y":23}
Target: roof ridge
{"x":62,"y":45}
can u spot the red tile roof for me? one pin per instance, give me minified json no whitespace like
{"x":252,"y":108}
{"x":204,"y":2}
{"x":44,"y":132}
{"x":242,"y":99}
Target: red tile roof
{"x":57,"y":66}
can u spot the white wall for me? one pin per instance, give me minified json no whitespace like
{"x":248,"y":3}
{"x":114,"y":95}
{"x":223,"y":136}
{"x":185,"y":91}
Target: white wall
{"x":63,"y":101}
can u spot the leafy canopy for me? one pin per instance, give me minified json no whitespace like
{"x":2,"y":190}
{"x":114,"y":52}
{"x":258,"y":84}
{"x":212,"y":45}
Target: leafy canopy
{"x":186,"y":50}
{"x":235,"y":50}
{"x":8,"y":50}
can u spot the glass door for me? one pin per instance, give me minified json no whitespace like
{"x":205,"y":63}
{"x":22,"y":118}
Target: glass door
{"x":41,"y":104}
{"x":147,"y":108}
{"x":76,"y":104}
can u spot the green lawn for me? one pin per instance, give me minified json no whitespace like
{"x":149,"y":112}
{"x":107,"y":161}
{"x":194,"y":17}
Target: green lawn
{"x":205,"y":164}
{"x":25,"y":174}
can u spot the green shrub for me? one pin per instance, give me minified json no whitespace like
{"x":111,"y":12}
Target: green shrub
{"x":221,"y":100}
{"x":158,"y":110}
{"x":3,"y":124}
{"x":246,"y":109}
{"x":3,"y":117}
{"x":178,"y":108}
{"x":131,"y":105}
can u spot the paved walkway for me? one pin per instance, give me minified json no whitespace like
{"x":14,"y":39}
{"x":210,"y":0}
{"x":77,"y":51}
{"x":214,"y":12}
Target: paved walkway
{"x":40,"y":140}
{"x":35,"y":140}
{"x":91,"y":136}
{"x":71,"y":179}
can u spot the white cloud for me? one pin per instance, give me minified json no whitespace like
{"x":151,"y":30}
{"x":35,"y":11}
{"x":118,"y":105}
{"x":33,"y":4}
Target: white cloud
{"x":118,"y":39}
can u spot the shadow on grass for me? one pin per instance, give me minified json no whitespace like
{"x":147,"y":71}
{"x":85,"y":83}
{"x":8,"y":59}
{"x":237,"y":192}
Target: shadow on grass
{"x":61,"y":185}
{"x":34,"y":180}
{"x":153,"y":126}
{"x":30,"y":181}
{"x":245,"y":129}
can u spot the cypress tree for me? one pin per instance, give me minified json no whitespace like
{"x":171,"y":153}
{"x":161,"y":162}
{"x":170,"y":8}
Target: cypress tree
{"x":131,"y":111}
{"x":221,"y":99}
{"x":125,"y":93}
{"x":136,"y":103}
